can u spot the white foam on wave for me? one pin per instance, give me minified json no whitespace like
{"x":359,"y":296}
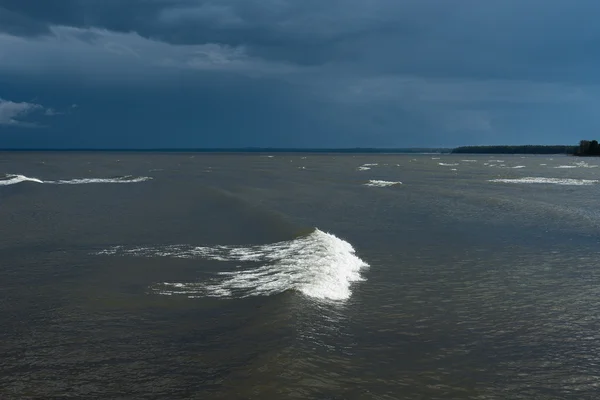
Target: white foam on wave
{"x":583,"y":164}
{"x":320,"y":265}
{"x":554,"y":181}
{"x":124,"y":179}
{"x":377,"y":183}
{"x":366,"y":167}
{"x":12,"y":179}
{"x":448,"y":164}
{"x":566,"y":166}
{"x":517,"y":167}
{"x":468,"y":160}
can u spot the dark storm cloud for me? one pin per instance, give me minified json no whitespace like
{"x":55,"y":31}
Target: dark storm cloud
{"x":355,"y":72}
{"x":436,"y":37}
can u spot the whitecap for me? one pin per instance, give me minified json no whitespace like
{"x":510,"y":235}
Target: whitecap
{"x":583,"y":164}
{"x":12,"y":179}
{"x":555,"y":181}
{"x":468,"y":160}
{"x":377,"y":183}
{"x":447,"y":164}
{"x":320,"y":265}
{"x":81,"y":181}
{"x":566,"y":166}
{"x":363,"y":168}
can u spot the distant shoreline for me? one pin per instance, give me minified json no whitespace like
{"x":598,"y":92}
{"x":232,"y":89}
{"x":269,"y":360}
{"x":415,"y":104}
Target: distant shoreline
{"x":501,"y":149}
{"x":247,"y":150}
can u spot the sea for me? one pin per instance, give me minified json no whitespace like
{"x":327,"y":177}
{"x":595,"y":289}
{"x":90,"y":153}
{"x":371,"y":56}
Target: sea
{"x":299,"y":276}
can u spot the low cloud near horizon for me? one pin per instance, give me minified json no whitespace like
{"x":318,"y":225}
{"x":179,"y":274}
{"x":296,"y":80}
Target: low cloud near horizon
{"x":289,"y":73}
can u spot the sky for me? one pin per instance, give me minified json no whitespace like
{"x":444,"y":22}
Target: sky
{"x":297,"y":73}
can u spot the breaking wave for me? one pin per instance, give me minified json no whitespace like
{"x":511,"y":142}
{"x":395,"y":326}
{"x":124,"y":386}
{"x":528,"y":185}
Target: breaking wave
{"x":377,"y":183}
{"x":366,"y":167}
{"x":122,"y":179}
{"x":11,"y":179}
{"x":555,"y":181}
{"x":319,"y":265}
{"x":447,"y":164}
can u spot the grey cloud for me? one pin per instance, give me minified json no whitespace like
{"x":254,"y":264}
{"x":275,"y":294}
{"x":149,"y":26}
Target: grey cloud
{"x":381,"y":71}
{"x":12,"y":113}
{"x":512,"y":39}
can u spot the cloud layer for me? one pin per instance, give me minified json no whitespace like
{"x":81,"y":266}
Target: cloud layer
{"x":11,"y":113}
{"x":284,"y":72}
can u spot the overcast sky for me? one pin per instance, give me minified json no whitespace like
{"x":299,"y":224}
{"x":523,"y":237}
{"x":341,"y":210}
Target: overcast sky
{"x":298,"y":73}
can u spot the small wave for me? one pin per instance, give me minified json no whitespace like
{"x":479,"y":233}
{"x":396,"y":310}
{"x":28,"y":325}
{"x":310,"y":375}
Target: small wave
{"x":10,"y":179}
{"x":82,"y":181}
{"x":366,"y":167}
{"x":566,"y":166}
{"x":377,"y":183}
{"x":496,"y":160}
{"x":468,"y":160}
{"x":517,"y":167}
{"x":320,"y":265}
{"x":555,"y":181}
{"x":447,"y":165}
{"x":583,"y":164}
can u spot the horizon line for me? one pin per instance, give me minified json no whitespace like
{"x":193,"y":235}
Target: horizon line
{"x":266,"y":149}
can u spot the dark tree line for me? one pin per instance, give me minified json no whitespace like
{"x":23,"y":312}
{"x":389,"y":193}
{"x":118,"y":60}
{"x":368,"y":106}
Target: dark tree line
{"x":527,"y":149}
{"x":588,"y":148}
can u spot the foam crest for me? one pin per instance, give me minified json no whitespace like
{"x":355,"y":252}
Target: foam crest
{"x":448,"y":164}
{"x":366,"y":167}
{"x":82,"y":181}
{"x":583,"y":164}
{"x":319,"y":265}
{"x":554,"y":181}
{"x":378,"y":183}
{"x":11,"y":179}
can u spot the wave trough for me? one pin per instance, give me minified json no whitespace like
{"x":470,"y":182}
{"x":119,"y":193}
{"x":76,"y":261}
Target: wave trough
{"x":320,"y":265}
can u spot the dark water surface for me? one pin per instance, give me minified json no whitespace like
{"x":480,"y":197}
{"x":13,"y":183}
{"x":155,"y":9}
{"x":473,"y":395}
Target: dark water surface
{"x":287,"y":276}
